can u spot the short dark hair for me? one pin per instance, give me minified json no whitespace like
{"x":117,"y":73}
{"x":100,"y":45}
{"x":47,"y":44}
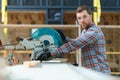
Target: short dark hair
{"x":82,"y":8}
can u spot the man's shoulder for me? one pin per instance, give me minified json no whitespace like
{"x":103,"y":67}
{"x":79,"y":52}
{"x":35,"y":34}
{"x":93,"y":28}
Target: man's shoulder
{"x":95,"y":28}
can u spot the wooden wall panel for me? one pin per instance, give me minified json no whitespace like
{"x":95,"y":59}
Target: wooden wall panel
{"x":69,"y":18}
{"x":26,"y":17}
{"x":112,"y":39}
{"x":112,"y":36}
{"x":109,"y":39}
{"x":110,"y":18}
{"x":114,"y":62}
{"x":14,"y":33}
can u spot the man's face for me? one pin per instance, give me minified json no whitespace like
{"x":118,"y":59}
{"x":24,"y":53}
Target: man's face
{"x":84,"y":19}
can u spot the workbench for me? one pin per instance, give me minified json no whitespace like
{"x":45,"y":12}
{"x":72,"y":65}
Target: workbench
{"x":55,"y":71}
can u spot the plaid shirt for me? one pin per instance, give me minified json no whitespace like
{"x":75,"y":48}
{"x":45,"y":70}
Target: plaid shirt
{"x":92,"y":44}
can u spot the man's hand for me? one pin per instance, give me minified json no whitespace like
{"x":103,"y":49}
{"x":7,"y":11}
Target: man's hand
{"x":44,"y":56}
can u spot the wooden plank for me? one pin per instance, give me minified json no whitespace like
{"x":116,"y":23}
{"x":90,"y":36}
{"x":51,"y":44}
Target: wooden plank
{"x":36,"y":26}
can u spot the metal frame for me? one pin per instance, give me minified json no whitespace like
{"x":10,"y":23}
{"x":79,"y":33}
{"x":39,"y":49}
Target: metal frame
{"x":21,"y":7}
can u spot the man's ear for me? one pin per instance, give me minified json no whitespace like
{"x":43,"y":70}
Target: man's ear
{"x":91,"y":16}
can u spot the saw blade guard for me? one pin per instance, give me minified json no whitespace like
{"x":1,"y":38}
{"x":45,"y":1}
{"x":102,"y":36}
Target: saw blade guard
{"x":48,"y":36}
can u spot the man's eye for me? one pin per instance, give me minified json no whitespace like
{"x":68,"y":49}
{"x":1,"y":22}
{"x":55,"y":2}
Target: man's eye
{"x":79,"y":18}
{"x":85,"y":16}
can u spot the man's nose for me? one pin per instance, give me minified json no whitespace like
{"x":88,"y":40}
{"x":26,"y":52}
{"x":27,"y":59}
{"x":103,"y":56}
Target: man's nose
{"x":82,"y":20}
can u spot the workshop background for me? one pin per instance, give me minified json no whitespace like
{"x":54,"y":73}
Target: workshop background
{"x":43,"y":12}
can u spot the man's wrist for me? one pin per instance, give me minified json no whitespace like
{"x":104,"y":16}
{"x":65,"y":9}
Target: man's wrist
{"x":53,"y":55}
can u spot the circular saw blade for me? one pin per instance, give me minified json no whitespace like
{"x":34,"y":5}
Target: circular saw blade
{"x":48,"y":34}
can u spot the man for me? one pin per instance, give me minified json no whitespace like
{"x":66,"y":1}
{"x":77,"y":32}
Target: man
{"x":91,"y":42}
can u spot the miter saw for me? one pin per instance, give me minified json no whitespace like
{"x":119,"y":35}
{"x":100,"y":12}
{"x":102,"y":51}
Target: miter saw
{"x":41,"y":41}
